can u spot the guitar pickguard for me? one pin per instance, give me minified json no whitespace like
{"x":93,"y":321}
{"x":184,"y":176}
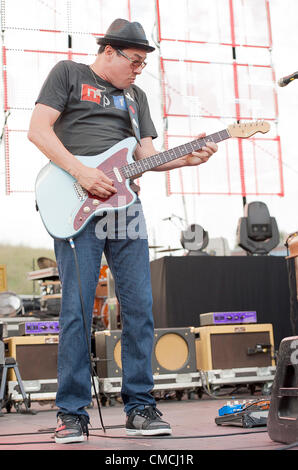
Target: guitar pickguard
{"x":94,"y":205}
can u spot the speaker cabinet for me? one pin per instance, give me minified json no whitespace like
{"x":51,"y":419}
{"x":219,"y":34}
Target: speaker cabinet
{"x":173,"y":352}
{"x":108,"y":352}
{"x":234,"y":346}
{"x":36,"y":356}
{"x":282,"y":420}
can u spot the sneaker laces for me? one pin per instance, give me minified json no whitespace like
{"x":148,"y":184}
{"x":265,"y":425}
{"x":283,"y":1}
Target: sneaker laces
{"x":150,"y":412}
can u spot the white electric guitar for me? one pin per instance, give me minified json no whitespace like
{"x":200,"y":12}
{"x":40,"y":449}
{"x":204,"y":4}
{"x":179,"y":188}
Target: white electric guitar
{"x":66,"y":207}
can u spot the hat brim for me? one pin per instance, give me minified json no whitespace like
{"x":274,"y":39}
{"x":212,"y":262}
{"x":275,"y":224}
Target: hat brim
{"x":124,"y":42}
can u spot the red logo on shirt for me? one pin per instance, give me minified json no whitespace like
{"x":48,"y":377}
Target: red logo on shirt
{"x":90,"y":93}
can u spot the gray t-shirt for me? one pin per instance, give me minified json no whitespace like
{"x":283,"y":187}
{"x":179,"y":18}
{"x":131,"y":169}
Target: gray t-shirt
{"x":94,"y":114}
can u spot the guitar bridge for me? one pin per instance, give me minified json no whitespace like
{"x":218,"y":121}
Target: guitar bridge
{"x":80,"y":191}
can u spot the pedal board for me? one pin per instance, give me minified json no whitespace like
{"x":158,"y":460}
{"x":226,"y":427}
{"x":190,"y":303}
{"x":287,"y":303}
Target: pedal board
{"x":39,"y":328}
{"x":248,"y":414}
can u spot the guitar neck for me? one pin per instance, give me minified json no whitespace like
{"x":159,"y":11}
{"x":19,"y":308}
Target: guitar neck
{"x":140,"y":166}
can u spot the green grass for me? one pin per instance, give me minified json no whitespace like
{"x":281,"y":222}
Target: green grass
{"x":19,"y":260}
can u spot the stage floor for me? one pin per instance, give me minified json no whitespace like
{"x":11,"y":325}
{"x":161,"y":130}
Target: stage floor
{"x":192,"y":421}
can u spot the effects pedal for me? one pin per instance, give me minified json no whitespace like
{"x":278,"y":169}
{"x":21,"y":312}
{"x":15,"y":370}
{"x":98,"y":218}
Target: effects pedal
{"x":247,"y":414}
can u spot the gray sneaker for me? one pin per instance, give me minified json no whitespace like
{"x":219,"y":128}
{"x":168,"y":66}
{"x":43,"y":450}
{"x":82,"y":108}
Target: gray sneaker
{"x":146,"y":422}
{"x":71,"y":428}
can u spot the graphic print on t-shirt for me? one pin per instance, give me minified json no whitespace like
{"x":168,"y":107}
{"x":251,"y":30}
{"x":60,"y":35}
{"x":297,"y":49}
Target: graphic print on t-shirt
{"x":91,"y":93}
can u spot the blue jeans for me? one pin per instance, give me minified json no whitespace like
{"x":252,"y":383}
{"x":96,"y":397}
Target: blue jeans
{"x":127,"y":255}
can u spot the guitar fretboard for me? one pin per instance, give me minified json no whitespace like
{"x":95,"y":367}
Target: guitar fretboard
{"x":148,"y":163}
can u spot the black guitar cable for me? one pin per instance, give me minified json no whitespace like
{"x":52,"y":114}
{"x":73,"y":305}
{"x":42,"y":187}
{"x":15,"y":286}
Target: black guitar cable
{"x":92,"y":370}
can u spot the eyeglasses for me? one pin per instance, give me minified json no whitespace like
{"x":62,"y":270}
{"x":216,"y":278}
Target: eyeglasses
{"x":135,"y":64}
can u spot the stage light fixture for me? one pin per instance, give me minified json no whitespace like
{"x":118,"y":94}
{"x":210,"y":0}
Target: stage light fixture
{"x":257,"y":232}
{"x":194,"y":239}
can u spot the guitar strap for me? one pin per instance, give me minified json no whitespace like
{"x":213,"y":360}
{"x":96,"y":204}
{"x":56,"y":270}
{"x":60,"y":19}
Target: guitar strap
{"x":129,"y":97}
{"x":133,"y":112}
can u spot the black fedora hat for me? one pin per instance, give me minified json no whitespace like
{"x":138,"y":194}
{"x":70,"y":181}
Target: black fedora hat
{"x":123,"y":33}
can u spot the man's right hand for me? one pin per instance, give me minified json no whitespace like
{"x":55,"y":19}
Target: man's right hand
{"x":41,"y":134}
{"x":96,"y":182}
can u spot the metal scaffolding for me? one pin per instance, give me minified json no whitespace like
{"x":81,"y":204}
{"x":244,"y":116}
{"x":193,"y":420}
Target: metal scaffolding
{"x":36,"y":34}
{"x":215,"y":68}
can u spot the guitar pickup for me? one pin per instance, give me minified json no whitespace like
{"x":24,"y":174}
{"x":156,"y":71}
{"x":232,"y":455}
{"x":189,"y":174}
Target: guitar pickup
{"x":117,"y":174}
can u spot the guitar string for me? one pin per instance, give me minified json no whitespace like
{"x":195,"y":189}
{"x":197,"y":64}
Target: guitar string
{"x":205,"y":140}
{"x":111,"y":174}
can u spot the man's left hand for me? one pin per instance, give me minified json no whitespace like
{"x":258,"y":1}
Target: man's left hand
{"x":200,"y":156}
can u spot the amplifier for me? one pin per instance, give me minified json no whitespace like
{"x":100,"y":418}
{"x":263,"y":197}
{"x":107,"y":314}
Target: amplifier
{"x":36,"y":356}
{"x":12,"y":324}
{"x":234,"y":346}
{"x":224,"y":318}
{"x":173,"y":352}
{"x":39,"y":328}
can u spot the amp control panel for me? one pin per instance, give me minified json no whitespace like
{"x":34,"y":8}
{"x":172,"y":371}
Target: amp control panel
{"x":39,"y":328}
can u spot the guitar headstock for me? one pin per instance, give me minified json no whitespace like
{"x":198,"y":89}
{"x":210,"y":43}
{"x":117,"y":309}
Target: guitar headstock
{"x":247,"y":129}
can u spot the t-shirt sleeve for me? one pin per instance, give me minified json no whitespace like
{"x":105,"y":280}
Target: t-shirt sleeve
{"x":147,"y":128}
{"x":54,"y":91}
